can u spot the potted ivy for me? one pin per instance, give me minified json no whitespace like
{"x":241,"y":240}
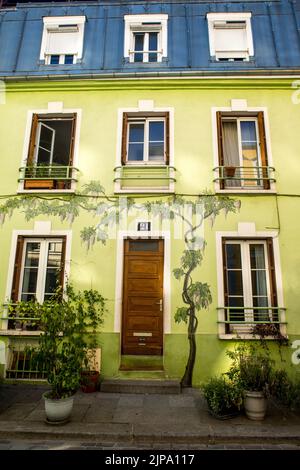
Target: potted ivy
{"x":252,"y":370}
{"x":66,"y":324}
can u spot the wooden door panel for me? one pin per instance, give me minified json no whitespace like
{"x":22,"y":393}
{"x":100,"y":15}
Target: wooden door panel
{"x":143,"y":286}
{"x":139,"y":266}
{"x":140,"y":323}
{"x":142,"y":292}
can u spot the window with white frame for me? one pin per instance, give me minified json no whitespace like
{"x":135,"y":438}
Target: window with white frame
{"x":242,"y":149}
{"x":145,"y":139}
{"x":250,"y":294}
{"x":145,"y":38}
{"x":230,"y":36}
{"x":39,"y":268}
{"x":62,"y":41}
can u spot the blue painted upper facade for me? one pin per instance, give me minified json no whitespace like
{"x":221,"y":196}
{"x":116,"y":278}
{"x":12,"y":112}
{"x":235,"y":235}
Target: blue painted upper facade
{"x":275,"y":29}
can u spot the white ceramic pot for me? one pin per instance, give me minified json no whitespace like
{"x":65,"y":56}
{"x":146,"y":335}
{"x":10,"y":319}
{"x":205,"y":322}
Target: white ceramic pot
{"x":255,"y":405}
{"x":58,"y":410}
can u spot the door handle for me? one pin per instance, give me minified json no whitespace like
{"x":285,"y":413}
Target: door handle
{"x":160,"y":303}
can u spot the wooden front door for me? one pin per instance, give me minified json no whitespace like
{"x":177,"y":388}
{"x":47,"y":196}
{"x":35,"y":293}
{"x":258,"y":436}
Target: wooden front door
{"x":142,"y":327}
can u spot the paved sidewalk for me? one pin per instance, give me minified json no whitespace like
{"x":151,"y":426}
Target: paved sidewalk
{"x":128,"y":421}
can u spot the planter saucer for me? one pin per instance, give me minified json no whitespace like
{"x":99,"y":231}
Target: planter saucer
{"x":57,"y":423}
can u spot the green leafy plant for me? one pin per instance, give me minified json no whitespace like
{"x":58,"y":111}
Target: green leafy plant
{"x":68,"y":323}
{"x":285,"y":390}
{"x":251,"y":368}
{"x":223,"y":396}
{"x":26,"y":315}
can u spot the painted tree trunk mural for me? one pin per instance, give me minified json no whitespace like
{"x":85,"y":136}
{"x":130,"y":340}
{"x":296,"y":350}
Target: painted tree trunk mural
{"x":109,"y":211}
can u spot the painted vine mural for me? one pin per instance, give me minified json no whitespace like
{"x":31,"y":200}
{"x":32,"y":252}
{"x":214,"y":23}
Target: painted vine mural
{"x":109,"y":211}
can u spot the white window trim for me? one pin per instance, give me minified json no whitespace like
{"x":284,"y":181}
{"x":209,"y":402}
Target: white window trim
{"x":50,"y":110}
{"x":134,"y":23}
{"x":122,"y":235}
{"x":213,"y":17}
{"x":142,"y":111}
{"x":241,"y":190}
{"x":42,"y":265}
{"x":146,"y":121}
{"x":34,"y":234}
{"x":254,"y":235}
{"x":53,"y":21}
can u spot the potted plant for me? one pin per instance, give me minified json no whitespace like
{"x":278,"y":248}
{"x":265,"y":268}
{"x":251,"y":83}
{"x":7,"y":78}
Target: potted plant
{"x":252,"y":370}
{"x":90,"y":374}
{"x":230,"y":171}
{"x":66,"y":322}
{"x":224,"y":398}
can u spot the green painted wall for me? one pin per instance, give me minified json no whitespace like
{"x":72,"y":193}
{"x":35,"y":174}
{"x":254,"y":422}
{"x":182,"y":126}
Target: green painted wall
{"x":193,"y":143}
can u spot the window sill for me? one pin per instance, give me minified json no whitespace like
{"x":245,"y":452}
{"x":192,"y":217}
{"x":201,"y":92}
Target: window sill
{"x":19,"y":333}
{"x":236,"y":63}
{"x":230,"y":336}
{"x":245,"y":191}
{"x":46,"y":191}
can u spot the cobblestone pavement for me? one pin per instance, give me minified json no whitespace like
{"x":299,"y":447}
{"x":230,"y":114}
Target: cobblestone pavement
{"x":17,"y":444}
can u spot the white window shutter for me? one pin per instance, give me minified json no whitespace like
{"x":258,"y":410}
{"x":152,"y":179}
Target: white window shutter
{"x":231,"y":40}
{"x":62,"y":42}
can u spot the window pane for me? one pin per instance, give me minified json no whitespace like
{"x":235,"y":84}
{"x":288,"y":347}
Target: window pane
{"x":157,"y":131}
{"x":156,"y":151}
{"x":250,"y":155}
{"x":153,"y":47}
{"x":136,"y":152}
{"x":69,"y":59}
{"x":233,"y":256}
{"x":46,"y":137}
{"x":259,"y":282}
{"x":143,"y":245}
{"x":29,"y":280}
{"x":53,"y":266}
{"x":62,"y":141}
{"x":235,"y":282}
{"x":138,"y":46}
{"x":54,"y":59}
{"x":136,"y":133}
{"x":248,"y":131}
{"x":257,"y":256}
{"x":32,"y":254}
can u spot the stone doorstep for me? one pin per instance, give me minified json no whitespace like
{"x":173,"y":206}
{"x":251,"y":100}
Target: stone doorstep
{"x":155,"y":386}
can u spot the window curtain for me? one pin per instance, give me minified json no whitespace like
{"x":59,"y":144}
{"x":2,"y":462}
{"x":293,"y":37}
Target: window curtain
{"x":231,"y":150}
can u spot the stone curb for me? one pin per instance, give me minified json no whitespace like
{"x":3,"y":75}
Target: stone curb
{"x":140,"y":433}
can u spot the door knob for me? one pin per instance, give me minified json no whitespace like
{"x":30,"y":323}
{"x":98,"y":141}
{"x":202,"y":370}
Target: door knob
{"x":160,"y":303}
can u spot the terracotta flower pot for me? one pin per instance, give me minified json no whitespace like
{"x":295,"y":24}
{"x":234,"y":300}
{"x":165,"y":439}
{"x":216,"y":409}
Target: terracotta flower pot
{"x":89,"y":381}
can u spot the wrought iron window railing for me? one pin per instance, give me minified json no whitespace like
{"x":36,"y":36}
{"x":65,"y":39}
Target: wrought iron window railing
{"x":254,"y":177}
{"x":145,"y":176}
{"x":47,"y":176}
{"x":248,"y":319}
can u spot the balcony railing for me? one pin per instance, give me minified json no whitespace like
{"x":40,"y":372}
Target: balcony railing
{"x":247,"y":320}
{"x":22,"y":363}
{"x":145,"y":177}
{"x":237,"y":177}
{"x":47,"y":176}
{"x":11,"y":320}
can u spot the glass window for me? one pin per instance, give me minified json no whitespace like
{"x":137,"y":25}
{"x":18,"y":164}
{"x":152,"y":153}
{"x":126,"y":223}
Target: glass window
{"x":146,"y":141}
{"x":41,"y":268}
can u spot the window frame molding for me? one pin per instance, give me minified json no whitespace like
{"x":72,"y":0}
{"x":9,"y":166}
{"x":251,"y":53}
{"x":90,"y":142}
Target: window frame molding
{"x":37,"y":232}
{"x":136,"y":21}
{"x":52,"y":21}
{"x":233,"y":16}
{"x":50,"y":110}
{"x":143,"y":110}
{"x":234,"y":111}
{"x":247,"y":231}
